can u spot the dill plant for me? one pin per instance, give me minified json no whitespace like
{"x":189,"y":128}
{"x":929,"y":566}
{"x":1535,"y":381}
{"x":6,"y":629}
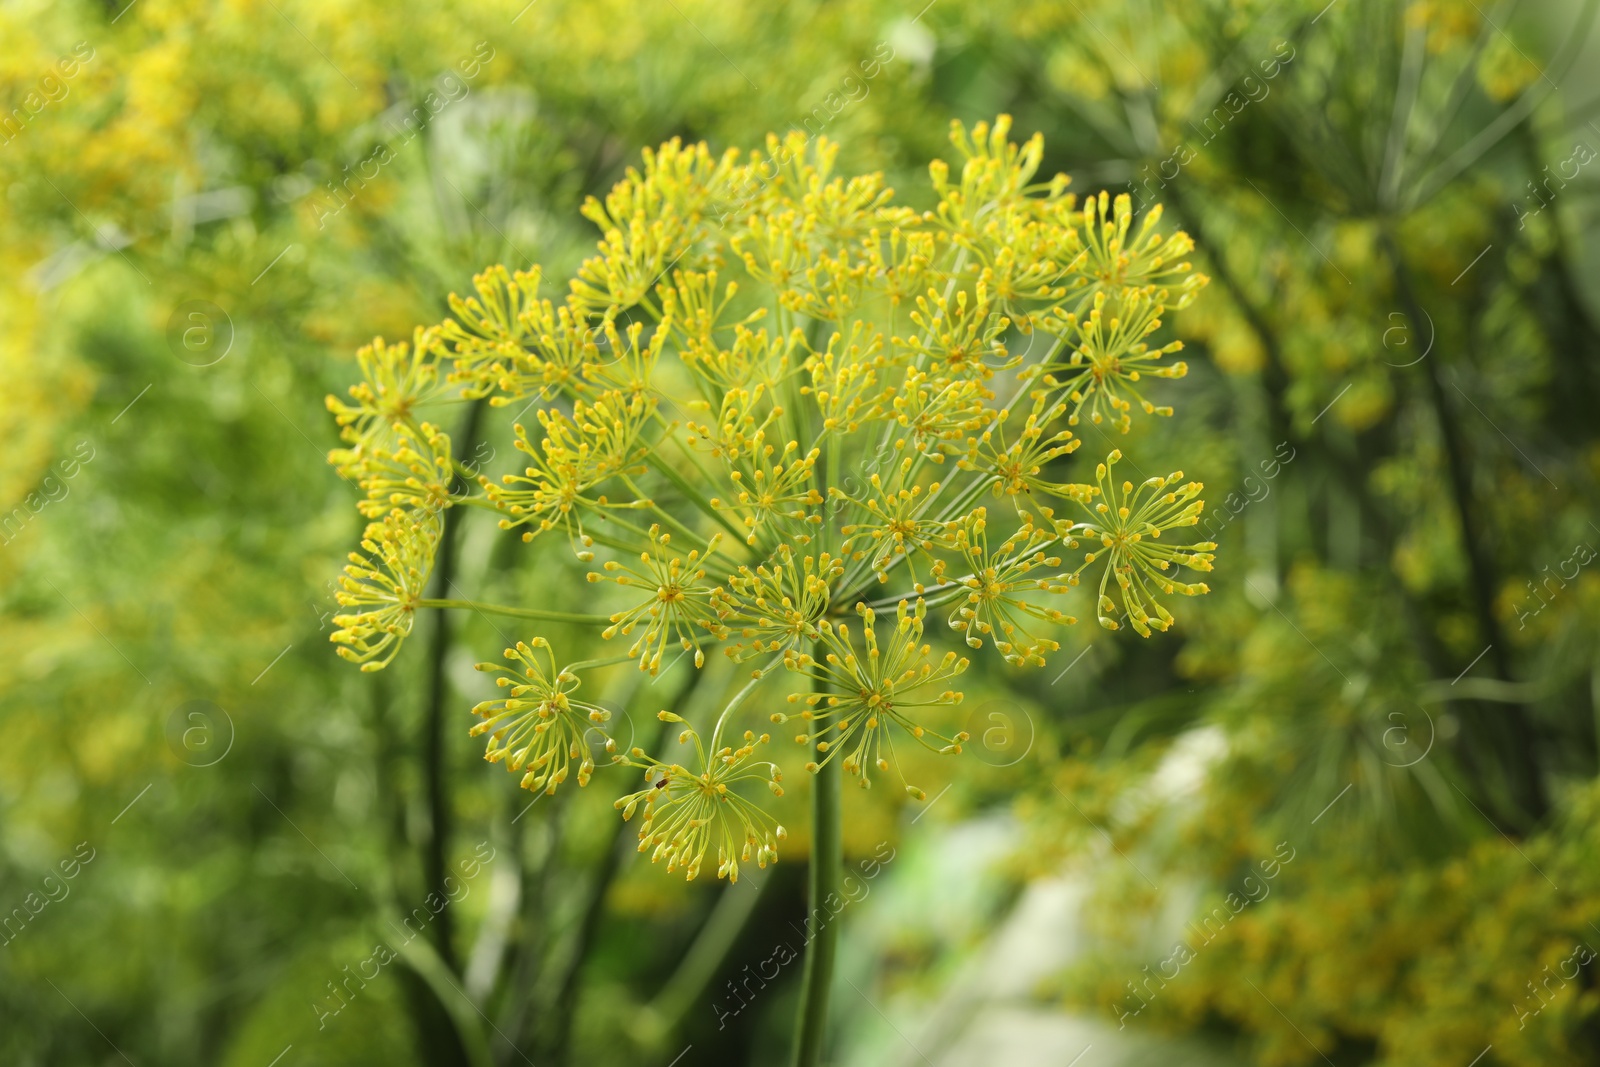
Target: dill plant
{"x":755,"y":335}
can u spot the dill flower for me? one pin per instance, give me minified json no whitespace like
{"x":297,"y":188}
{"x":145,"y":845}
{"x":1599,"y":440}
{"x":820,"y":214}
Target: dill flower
{"x":863,"y":697}
{"x":396,"y":379}
{"x":937,"y":413}
{"x":500,"y":315}
{"x":1114,"y":264}
{"x":677,"y":604}
{"x":1109,"y":357}
{"x":995,"y":173}
{"x":1129,"y":524}
{"x":578,"y":453}
{"x":995,"y":603}
{"x":631,"y":366}
{"x":387,"y":583}
{"x":685,"y":812}
{"x":411,"y":474}
{"x":897,"y":522}
{"x":547,"y":362}
{"x":1017,"y":468}
{"x":962,"y":337}
{"x":753,"y":358}
{"x":773,"y":487}
{"x":778,"y":604}
{"x":845,"y":379}
{"x":540,"y":725}
{"x":746,"y":407}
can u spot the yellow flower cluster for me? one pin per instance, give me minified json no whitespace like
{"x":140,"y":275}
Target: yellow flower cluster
{"x":388,"y":584}
{"x":685,"y":813}
{"x":774,"y":400}
{"x":540,"y":726}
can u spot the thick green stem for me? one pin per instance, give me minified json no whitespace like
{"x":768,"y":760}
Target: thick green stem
{"x":431,"y":744}
{"x":565,"y":1004}
{"x":823,"y":878}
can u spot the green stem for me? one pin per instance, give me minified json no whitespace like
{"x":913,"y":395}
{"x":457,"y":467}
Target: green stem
{"x":823,"y":878}
{"x":608,"y":661}
{"x":692,"y":495}
{"x":473,"y":501}
{"x":515,"y":613}
{"x":739,"y":698}
{"x":564,"y":1005}
{"x":666,"y":1014}
{"x":431,"y":747}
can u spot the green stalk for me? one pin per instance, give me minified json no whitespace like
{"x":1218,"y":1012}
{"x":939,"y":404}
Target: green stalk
{"x":739,"y":698}
{"x":515,"y":613}
{"x":564,"y":1004}
{"x":666,"y":1014}
{"x":692,"y":495}
{"x":823,"y":878}
{"x":431,"y":744}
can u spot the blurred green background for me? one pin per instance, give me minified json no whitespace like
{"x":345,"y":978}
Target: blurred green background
{"x":1358,"y":782}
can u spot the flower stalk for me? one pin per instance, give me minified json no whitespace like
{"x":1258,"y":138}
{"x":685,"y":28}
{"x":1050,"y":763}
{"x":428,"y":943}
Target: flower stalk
{"x":823,"y":880}
{"x":542,"y":614}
